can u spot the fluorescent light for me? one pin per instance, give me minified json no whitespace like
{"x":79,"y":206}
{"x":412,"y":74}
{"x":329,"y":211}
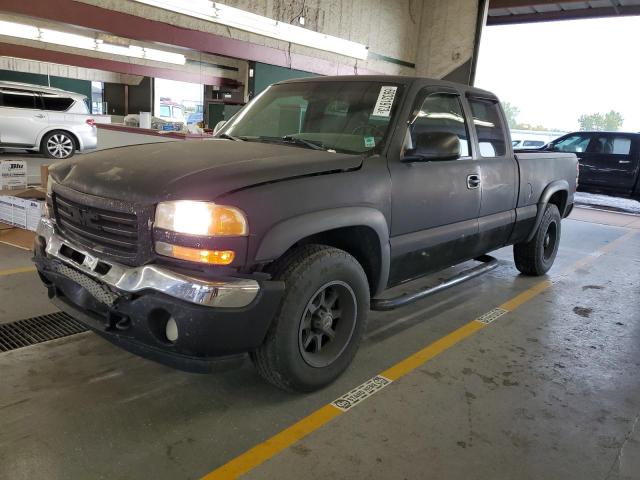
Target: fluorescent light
{"x":68,"y":39}
{"x":56,"y":37}
{"x":129,"y":51}
{"x":162,"y":56}
{"x":250,"y":22}
{"x":19,"y":30}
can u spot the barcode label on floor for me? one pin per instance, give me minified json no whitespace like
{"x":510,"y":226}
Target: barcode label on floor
{"x":358,"y":394}
{"x":492,"y":315}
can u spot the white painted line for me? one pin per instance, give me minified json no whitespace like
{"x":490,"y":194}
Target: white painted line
{"x":361,"y":392}
{"x":492,"y":315}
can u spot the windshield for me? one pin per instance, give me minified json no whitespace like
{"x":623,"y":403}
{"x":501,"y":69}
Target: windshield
{"x":349,"y":117}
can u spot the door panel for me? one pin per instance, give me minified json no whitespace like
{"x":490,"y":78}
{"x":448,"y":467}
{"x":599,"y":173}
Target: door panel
{"x":610,"y":162}
{"x":499,"y":175}
{"x":434,"y":211}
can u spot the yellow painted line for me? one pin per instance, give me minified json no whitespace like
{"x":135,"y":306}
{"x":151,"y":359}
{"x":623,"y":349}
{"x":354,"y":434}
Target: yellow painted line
{"x":271,"y":447}
{"x":436,"y":348}
{"x":525,"y":296}
{"x":13,"y":271}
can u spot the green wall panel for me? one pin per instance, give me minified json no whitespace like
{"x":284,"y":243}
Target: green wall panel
{"x":70,"y":84}
{"x":264,"y":75}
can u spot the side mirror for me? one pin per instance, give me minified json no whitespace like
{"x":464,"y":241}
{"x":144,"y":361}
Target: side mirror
{"x":219,"y":126}
{"x":432,"y":146}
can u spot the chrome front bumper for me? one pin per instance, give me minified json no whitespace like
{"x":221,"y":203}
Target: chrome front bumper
{"x":223,"y":292}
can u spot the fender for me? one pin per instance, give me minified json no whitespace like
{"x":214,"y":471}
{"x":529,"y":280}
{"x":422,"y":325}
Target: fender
{"x":286,"y":233}
{"x":553,"y":187}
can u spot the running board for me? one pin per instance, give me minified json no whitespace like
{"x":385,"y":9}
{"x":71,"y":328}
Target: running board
{"x":384,"y":304}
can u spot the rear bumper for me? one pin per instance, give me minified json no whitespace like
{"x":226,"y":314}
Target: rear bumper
{"x":87,"y":137}
{"x":136,"y":319}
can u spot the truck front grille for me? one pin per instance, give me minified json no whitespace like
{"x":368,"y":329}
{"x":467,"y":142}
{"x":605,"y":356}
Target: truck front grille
{"x":114,"y":232}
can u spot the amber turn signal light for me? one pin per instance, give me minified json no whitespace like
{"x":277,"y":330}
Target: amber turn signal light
{"x":210,"y":257}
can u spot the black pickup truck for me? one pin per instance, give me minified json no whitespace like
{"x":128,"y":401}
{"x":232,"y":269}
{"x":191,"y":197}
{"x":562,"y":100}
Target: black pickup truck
{"x":609,"y":161}
{"x":277,"y":237}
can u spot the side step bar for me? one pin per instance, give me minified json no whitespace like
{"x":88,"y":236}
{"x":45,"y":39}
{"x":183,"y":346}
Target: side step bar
{"x":384,"y":304}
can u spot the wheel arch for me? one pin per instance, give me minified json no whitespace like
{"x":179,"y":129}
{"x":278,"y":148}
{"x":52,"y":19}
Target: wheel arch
{"x":361,"y":231}
{"x":556,"y":193}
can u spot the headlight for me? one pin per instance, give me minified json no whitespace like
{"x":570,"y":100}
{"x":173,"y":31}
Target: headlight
{"x":201,"y":218}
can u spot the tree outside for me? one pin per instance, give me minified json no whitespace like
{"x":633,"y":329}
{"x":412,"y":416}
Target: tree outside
{"x":611,"y":121}
{"x":511,"y":112}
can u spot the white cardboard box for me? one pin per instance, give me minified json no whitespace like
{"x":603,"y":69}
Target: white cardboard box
{"x":34,"y":213}
{"x":20,"y":212}
{"x":6,"y":210}
{"x":13,"y":174}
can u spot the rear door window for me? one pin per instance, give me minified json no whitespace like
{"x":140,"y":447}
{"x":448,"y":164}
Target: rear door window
{"x":489,"y":127}
{"x":56,"y":103}
{"x":15,"y":98}
{"x":610,"y":145}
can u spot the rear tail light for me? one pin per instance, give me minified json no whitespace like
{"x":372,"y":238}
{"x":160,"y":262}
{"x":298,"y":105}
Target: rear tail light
{"x":90,"y":121}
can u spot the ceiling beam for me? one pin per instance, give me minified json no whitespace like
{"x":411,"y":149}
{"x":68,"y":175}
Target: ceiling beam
{"x":64,"y":58}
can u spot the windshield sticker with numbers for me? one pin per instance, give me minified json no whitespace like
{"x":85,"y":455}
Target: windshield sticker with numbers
{"x":385,"y":101}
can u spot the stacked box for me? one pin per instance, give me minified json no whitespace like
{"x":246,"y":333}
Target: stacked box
{"x":34,"y":213}
{"x":6,"y":210}
{"x":13,"y":174}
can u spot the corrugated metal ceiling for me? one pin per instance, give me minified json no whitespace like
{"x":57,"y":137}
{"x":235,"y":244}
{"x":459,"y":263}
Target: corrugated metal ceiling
{"x":521,"y":11}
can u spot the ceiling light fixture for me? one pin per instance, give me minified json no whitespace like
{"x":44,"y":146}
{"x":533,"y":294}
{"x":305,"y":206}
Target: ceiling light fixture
{"x":250,"y":22}
{"x":56,"y":37}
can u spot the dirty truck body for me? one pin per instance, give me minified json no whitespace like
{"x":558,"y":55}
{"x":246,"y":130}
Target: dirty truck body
{"x":277,"y":237}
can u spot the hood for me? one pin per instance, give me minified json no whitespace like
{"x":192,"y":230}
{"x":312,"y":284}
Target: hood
{"x":193,"y":170}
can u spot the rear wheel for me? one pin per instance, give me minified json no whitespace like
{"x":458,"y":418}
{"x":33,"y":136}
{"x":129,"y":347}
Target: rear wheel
{"x":320,"y":323}
{"x":58,"y":144}
{"x":537,"y":256}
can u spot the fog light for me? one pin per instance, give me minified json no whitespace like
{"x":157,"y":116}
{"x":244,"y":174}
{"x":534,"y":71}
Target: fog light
{"x":171,"y":330}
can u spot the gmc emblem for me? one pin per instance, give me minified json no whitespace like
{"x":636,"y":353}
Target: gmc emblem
{"x":85,"y":218}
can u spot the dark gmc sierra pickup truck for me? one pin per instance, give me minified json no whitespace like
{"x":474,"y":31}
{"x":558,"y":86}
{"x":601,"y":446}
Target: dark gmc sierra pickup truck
{"x":278,"y":236}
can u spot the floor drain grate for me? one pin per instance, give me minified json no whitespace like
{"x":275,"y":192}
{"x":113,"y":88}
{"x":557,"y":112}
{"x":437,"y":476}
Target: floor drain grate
{"x":37,"y":330}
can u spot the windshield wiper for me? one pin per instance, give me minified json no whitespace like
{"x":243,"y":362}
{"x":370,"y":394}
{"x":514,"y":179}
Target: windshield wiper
{"x":230,"y":137}
{"x":303,"y":142}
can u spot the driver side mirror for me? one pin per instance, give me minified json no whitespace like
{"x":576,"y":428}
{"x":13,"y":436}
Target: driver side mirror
{"x":433,"y":146}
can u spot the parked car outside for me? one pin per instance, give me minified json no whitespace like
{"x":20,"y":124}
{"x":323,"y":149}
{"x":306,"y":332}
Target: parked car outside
{"x":609,"y":161}
{"x":278,"y":236}
{"x":55,"y":122}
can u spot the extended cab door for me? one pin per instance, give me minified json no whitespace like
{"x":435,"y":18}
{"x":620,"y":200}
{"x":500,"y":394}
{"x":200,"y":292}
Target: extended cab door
{"x":21,"y":119}
{"x":499,"y":173}
{"x":610,"y":162}
{"x":435,"y":204}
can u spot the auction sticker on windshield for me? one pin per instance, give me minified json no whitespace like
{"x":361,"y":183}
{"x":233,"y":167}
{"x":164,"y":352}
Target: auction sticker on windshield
{"x":385,"y":101}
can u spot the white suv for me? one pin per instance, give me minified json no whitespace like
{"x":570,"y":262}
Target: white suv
{"x":55,"y":122}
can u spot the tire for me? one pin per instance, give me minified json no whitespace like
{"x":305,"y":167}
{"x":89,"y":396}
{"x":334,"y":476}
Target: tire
{"x":537,"y":256}
{"x":297,"y":354}
{"x":58,"y":145}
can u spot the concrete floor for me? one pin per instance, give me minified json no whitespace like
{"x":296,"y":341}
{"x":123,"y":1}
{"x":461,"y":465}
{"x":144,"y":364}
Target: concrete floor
{"x":550,"y":390}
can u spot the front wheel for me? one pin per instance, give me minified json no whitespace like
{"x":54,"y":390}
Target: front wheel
{"x":58,"y":145}
{"x":537,"y":256}
{"x":320,"y":323}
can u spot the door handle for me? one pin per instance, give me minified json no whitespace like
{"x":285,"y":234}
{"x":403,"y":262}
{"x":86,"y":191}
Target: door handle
{"x":473,"y":182}
{"x":624,"y":161}
{"x":39,"y":115}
